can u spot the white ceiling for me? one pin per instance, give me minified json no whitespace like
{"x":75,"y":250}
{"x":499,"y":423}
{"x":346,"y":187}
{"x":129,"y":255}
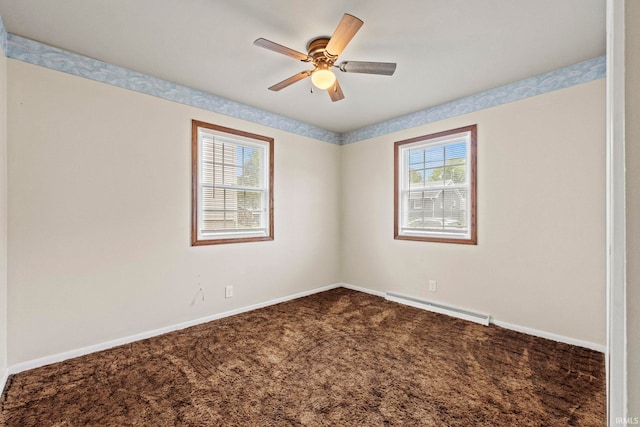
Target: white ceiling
{"x":445,"y":49}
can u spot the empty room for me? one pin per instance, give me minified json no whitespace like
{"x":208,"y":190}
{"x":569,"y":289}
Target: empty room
{"x":341,"y":213}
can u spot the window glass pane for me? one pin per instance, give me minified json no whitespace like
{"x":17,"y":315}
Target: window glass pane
{"x":213,"y":209}
{"x":416,"y":157}
{"x":457,"y":150}
{"x":207,"y":173}
{"x":223,"y":174}
{"x":225,"y":209}
{"x":434,"y":157}
{"x":207,"y":149}
{"x":230,"y":153}
{"x":250,"y":212}
{"x":454,"y":210}
{"x":212,"y":199}
{"x":250,"y":172}
{"x":424,"y":210}
{"x":438,"y":210}
{"x":250,"y":177}
{"x":240,"y":165}
{"x":455,"y":173}
{"x":455,"y":160}
{"x":416,"y":177}
{"x":225,"y":169}
{"x":434,"y":177}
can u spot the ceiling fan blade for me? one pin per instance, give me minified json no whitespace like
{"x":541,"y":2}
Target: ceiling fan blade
{"x":268,"y":44}
{"x":347,"y":28}
{"x":335,"y":92}
{"x":291,"y":80}
{"x":382,"y":68}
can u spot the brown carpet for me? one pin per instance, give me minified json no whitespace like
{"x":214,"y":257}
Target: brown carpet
{"x":339,"y":358}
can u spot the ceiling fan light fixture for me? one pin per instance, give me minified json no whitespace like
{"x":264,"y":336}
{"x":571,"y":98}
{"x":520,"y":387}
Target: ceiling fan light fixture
{"x":323,"y":78}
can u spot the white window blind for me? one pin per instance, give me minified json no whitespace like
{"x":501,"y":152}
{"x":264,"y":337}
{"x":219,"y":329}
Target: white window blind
{"x":233,"y":186}
{"x":435,"y":187}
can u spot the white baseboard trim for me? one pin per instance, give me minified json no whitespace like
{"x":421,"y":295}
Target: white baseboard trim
{"x":3,"y":381}
{"x":60,"y":357}
{"x":551,"y":336}
{"x":364,"y":290}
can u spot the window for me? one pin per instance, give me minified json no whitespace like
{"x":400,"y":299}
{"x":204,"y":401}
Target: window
{"x":435,"y":187}
{"x":232,"y":190}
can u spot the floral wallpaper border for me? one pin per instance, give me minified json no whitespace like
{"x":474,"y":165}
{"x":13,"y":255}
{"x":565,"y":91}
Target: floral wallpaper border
{"x":37,"y":53}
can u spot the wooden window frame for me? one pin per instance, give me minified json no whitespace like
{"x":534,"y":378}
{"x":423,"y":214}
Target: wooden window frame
{"x":472,"y":156}
{"x":195,"y":184}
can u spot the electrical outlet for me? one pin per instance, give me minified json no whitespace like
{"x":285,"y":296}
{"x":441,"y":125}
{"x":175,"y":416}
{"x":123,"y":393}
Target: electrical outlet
{"x":433,"y":286}
{"x":228,"y":291}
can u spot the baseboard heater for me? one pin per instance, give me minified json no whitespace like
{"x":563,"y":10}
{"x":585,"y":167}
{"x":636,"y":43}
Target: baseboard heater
{"x":483,"y":319}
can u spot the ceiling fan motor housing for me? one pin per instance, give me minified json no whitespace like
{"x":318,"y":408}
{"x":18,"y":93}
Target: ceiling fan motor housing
{"x":317,"y":50}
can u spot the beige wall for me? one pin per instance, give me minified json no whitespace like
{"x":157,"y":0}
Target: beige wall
{"x":99,"y":217}
{"x":540,"y":260}
{"x":3,"y":214}
{"x":632,"y":131}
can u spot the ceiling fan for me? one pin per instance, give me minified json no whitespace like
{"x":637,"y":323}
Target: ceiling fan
{"x":323,"y":52}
